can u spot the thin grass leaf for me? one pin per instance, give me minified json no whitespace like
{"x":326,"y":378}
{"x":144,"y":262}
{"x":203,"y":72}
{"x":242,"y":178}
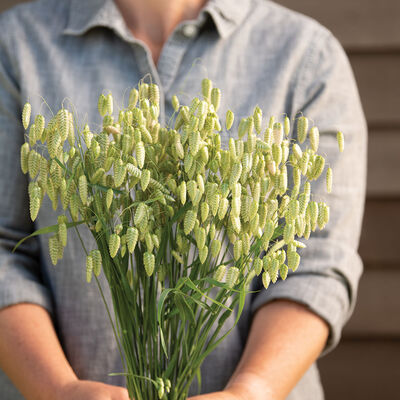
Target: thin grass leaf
{"x":46,"y":230}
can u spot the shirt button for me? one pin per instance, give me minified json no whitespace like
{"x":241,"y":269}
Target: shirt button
{"x":189,"y":30}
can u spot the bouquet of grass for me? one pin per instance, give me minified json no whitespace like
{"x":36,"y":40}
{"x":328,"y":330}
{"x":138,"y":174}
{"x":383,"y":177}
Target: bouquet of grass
{"x":182,"y":226}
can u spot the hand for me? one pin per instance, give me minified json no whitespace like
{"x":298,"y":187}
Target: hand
{"x":88,"y":390}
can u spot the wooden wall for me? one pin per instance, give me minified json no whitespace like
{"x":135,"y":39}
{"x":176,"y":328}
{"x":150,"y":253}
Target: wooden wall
{"x":366,"y":365}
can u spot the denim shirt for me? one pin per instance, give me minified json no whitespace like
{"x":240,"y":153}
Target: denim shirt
{"x":55,"y":53}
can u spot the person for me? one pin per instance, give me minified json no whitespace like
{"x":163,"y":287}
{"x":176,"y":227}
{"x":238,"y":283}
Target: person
{"x":55,"y":340}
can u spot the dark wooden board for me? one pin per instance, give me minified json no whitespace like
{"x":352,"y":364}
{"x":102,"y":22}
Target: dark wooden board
{"x":378,"y":80}
{"x":380,"y":233}
{"x":367,"y":370}
{"x":377,"y":313}
{"x":358,"y":24}
{"x":384,"y":164}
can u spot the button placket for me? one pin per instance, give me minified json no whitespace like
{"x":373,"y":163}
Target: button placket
{"x":172,"y":54}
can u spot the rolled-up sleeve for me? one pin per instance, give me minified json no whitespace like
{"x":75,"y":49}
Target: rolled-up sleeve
{"x":20,"y":273}
{"x":326,"y":281}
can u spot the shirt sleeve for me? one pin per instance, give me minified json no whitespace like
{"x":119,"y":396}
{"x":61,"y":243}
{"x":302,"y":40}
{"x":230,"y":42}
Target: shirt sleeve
{"x":20,"y":272}
{"x":327,"y":279}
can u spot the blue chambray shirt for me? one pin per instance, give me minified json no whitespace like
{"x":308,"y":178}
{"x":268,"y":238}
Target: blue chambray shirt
{"x":258,"y":53}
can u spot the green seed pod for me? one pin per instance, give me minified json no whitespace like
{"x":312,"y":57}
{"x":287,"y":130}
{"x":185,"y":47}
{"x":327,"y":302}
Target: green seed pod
{"x":200,"y":238}
{"x":219,"y":274}
{"x":146,"y":136}
{"x":243,"y":127}
{"x":204,"y":211}
{"x":286,"y":126}
{"x":232,"y":276}
{"x":318,"y":167}
{"x":300,"y":225}
{"x":293,"y":259}
{"x":297,"y":152}
{"x":133,"y":98}
{"x":114,"y":243}
{"x":235,"y":174}
{"x":54,"y":249}
{"x":216,"y":98}
{"x":26,"y":115}
{"x":89,"y":268}
{"x":33,"y":163}
{"x":314,"y":138}
{"x":189,"y":221}
{"x":191,"y":189}
{"x":24,"y":158}
{"x":83,"y":189}
{"x":293,"y":210}
{"x":215,"y":247}
{"x":96,"y":262}
{"x":71,"y":130}
{"x":282,"y":184}
{"x":245,"y":243}
{"x":257,"y":118}
{"x":277,"y":153}
{"x":268,"y":134}
{"x":194,"y":142}
{"x":266,"y":279}
{"x":149,"y":242}
{"x":206,"y":88}
{"x":34,"y":206}
{"x":39,"y":126}
{"x":283,"y":271}
{"x":177,"y":257}
{"x":329,"y":180}
{"x":237,"y":250}
{"x":132,"y":235}
{"x":32,"y":135}
{"x":109,"y":198}
{"x":307,"y":231}
{"x":223,"y":208}
{"x":303,"y":164}
{"x":236,"y":224}
{"x":175,"y":103}
{"x":149,"y":263}
{"x":140,"y":153}
{"x":203,"y":253}
{"x":62,"y":233}
{"x":258,"y":264}
{"x":145,"y":179}
{"x":340,"y":141}
{"x":140,"y":213}
{"x":154,"y":94}
{"x":97,"y":176}
{"x":277,"y":131}
{"x":302,"y":129}
{"x":253,"y":209}
{"x":200,"y":183}
{"x":182,"y":192}
{"x":271,"y":166}
{"x":229,"y":119}
{"x":323,"y":215}
{"x":214,"y":203}
{"x":313,"y":212}
{"x":63,"y":123}
{"x":102,"y":105}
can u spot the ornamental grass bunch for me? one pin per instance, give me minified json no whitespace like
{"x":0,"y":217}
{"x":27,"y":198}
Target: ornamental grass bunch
{"x":181,"y":225}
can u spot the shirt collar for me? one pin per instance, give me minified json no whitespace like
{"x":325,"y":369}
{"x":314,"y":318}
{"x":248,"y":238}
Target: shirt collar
{"x":84,"y":15}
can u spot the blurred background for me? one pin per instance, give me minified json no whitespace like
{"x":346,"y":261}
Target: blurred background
{"x":366,"y":364}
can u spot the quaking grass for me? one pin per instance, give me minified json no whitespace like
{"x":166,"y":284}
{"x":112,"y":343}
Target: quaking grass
{"x":179,"y":223}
